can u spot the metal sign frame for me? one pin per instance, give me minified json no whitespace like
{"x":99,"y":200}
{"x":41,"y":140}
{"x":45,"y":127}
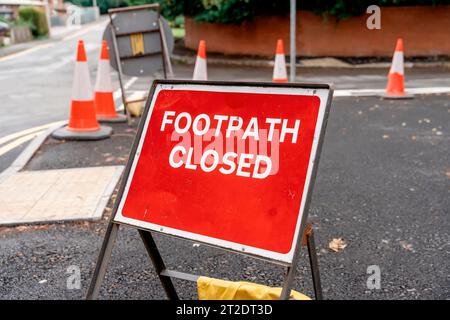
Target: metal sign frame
{"x":305,"y":234}
{"x":165,"y":56}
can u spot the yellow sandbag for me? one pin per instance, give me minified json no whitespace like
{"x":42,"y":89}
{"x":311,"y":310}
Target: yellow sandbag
{"x":217,"y":289}
{"x":135,"y":103}
{"x":136,"y":108}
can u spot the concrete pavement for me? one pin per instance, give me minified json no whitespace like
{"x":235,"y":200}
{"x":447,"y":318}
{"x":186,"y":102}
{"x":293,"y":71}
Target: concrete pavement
{"x":57,"y":195}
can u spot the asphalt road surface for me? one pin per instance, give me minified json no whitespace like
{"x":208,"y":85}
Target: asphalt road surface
{"x":35,"y":87}
{"x":382,"y":186}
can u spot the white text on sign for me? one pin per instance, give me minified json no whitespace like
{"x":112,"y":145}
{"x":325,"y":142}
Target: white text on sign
{"x":202,"y":124}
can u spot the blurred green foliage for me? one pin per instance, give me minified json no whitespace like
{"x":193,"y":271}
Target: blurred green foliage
{"x":104,"y":5}
{"x":35,"y":18}
{"x":238,"y":11}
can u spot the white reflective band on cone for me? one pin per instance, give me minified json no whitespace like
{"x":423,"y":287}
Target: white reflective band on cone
{"x":103,"y":82}
{"x":82,"y":89}
{"x":200,"y":70}
{"x":279,"y":71}
{"x":397,"y":63}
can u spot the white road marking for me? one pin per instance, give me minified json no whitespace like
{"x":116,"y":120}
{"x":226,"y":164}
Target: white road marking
{"x":347,"y":92}
{"x":117,"y":94}
{"x":376,"y":92}
{"x":337,"y":93}
{"x":130,"y":82}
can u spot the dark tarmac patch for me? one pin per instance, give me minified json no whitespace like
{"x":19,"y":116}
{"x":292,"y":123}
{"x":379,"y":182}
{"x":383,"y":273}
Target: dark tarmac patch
{"x":57,"y":154}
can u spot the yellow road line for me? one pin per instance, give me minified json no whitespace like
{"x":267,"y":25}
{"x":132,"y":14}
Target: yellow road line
{"x":84,"y":30}
{"x":26,"y":51}
{"x":48,"y":45}
{"x":12,"y":145}
{"x":18,"y":134}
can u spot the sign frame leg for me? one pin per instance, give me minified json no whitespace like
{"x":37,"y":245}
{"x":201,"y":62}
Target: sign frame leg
{"x":119,"y":68}
{"x":290,"y":273}
{"x":313,"y":262}
{"x":308,"y":235}
{"x":102,"y":262}
{"x":165,"y":53}
{"x":158,"y":263}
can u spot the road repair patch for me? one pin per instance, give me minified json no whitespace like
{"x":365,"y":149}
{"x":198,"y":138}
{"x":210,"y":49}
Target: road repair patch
{"x":57,"y":195}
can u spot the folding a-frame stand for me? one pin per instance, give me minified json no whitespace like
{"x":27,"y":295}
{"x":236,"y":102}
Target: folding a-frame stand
{"x":122,"y":58}
{"x":165,"y":274}
{"x":305,"y":236}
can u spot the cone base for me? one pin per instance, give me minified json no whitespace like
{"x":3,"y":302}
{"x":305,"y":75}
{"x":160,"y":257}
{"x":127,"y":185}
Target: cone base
{"x":280,"y":80}
{"x":396,"y":97}
{"x":117,"y":119}
{"x":65,"y":134}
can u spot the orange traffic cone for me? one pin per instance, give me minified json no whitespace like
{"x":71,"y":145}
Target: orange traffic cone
{"x":83,"y":124}
{"x":279,"y":70}
{"x":200,"y":70}
{"x":104,"y":100}
{"x":396,"y":78}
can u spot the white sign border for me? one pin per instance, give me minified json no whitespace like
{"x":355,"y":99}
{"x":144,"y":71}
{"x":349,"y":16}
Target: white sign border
{"x":323,"y":95}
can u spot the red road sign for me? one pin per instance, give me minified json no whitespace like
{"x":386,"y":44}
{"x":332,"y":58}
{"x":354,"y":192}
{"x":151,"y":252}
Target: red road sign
{"x":226,"y":164}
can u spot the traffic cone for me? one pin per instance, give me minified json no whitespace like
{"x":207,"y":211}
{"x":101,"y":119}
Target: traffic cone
{"x":279,"y":70}
{"x":82,"y":124}
{"x":396,"y":78}
{"x":200,"y":70}
{"x":104,"y":100}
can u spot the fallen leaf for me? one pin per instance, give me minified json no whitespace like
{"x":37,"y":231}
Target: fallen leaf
{"x":407,"y":246}
{"x":337,"y":244}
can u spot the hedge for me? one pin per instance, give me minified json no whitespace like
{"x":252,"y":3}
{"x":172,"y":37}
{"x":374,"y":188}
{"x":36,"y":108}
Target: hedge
{"x":35,"y":18}
{"x":237,"y":11}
